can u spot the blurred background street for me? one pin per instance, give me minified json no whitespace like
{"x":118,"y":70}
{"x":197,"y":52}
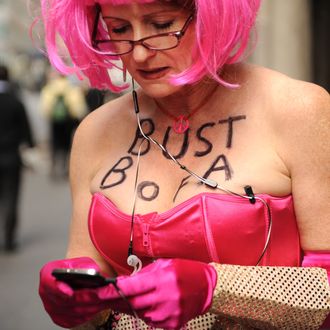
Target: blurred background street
{"x":45,"y":210}
{"x":293,"y":38}
{"x":44,"y":218}
{"x":44,"y":215}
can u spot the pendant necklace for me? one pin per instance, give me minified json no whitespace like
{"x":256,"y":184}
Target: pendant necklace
{"x":181,"y":122}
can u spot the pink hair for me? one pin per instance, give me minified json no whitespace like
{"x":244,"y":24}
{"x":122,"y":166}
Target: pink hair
{"x":222,"y":35}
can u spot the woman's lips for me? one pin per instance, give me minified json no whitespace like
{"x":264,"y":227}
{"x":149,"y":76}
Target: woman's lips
{"x":154,"y":73}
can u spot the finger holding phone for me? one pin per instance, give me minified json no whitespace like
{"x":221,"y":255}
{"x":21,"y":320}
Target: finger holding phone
{"x":74,"y":297}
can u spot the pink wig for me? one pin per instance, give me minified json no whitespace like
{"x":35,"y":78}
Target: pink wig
{"x":222,"y":35}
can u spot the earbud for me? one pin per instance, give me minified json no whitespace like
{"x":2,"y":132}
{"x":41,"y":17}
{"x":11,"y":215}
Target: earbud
{"x":132,"y":260}
{"x":135,"y":262}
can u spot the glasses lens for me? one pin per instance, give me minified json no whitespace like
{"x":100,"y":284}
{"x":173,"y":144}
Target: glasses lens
{"x":161,"y":42}
{"x":114,"y":47}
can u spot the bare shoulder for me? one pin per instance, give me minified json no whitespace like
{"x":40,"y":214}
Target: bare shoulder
{"x":104,"y":119}
{"x":299,"y":121}
{"x":285,"y":95}
{"x":99,"y":132}
{"x":104,"y":122}
{"x":288,"y":103}
{"x":297,"y":104}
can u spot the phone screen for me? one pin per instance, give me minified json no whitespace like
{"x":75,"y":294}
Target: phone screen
{"x":81,"y":278}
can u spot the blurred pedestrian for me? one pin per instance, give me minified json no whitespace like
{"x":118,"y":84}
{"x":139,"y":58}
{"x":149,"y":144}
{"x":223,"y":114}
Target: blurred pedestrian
{"x":15,"y":131}
{"x":94,"y":98}
{"x":64,"y":104}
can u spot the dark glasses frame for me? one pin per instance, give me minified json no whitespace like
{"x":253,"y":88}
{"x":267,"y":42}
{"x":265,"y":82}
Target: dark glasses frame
{"x":178,"y":34}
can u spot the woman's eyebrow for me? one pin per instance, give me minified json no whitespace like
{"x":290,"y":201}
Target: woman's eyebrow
{"x":114,"y":18}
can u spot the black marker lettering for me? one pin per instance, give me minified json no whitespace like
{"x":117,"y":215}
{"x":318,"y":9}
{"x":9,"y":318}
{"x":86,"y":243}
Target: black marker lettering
{"x":230,"y":121}
{"x":148,"y":184}
{"x":184,"y":147}
{"x":182,"y":184}
{"x":138,"y":136}
{"x":209,"y":145}
{"x":120,"y":170}
{"x":225,"y":167}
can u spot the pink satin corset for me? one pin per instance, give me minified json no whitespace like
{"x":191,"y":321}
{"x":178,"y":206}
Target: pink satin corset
{"x":207,"y":227}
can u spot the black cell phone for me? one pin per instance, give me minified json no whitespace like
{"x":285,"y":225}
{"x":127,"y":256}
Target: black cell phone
{"x":82,"y":278}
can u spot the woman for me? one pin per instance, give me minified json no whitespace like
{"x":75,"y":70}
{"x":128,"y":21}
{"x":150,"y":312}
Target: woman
{"x":252,"y":191}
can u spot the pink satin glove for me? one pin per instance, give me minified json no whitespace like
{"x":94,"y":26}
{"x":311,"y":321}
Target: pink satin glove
{"x":170,"y":292}
{"x":67,"y":307}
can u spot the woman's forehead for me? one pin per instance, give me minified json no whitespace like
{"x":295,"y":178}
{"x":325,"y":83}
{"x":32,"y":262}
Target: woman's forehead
{"x":176,"y":3}
{"x":123,"y":2}
{"x":136,"y":8}
{"x":184,"y":4}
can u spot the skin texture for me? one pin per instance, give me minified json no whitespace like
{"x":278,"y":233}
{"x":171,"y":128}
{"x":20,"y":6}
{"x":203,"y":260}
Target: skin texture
{"x":280,"y":147}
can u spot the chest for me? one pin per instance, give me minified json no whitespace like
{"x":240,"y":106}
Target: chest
{"x":235,"y":151}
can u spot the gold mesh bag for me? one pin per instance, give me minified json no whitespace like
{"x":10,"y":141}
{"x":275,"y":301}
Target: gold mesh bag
{"x":270,"y":297}
{"x":128,"y":322}
{"x":248,"y":297}
{"x":204,"y":322}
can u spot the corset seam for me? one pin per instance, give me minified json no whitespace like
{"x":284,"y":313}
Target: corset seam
{"x":209,"y":239}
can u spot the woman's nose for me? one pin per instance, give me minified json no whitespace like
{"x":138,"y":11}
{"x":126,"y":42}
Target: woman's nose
{"x":142,"y":53}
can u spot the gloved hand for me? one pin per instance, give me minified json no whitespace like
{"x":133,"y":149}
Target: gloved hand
{"x":169,"y":292}
{"x":67,"y":307}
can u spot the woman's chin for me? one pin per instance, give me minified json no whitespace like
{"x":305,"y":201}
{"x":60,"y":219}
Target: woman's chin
{"x":159,"y":89}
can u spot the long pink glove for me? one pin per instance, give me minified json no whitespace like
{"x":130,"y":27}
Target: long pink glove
{"x":319,"y":259}
{"x":66,"y":307}
{"x":169,"y":292}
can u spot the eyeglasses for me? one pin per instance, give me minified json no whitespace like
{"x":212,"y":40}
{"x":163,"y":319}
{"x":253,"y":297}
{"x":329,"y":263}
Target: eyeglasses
{"x":162,"y":41}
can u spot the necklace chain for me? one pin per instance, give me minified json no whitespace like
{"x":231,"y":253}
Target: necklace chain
{"x":181,"y":122}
